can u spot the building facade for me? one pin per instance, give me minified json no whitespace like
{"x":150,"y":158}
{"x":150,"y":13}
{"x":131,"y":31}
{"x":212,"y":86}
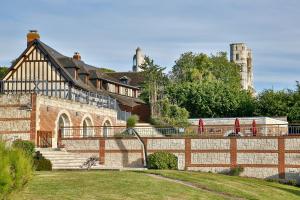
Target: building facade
{"x":45,"y":90}
{"x":242,"y":55}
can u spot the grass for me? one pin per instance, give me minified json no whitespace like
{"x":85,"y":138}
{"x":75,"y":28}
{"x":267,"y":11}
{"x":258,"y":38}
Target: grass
{"x":138,"y":185}
{"x":248,"y":188}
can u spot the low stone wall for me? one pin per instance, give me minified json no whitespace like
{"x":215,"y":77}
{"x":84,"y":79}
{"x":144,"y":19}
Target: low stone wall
{"x":261,"y":157}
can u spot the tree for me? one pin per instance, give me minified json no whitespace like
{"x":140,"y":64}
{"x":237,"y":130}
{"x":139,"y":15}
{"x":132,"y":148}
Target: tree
{"x":3,"y":72}
{"x":279,"y":103}
{"x":191,"y":67}
{"x":209,"y":86}
{"x":212,"y":99}
{"x":272,"y":103}
{"x":154,"y":84}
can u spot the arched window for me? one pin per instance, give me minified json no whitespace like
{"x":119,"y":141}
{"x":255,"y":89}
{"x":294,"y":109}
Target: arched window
{"x":87,"y":130}
{"x":107,"y":129}
{"x":63,"y":122}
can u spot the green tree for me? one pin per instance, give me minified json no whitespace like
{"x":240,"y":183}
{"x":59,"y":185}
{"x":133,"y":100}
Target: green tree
{"x":154,"y":84}
{"x":279,"y":103}
{"x":272,"y":103}
{"x":212,"y":99}
{"x":191,"y":67}
{"x":209,"y":86}
{"x":3,"y":72}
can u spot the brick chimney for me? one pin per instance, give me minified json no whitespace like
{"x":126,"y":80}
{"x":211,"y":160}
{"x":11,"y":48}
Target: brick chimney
{"x":77,"y":56}
{"x":32,"y":35}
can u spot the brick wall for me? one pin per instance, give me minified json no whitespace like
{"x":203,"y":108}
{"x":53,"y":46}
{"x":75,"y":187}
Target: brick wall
{"x":261,"y":157}
{"x":23,"y":115}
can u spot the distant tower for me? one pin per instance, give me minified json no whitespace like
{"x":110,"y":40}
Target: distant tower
{"x":242,"y":55}
{"x":138,"y":60}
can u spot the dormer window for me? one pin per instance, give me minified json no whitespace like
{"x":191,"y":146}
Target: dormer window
{"x":124,"y":80}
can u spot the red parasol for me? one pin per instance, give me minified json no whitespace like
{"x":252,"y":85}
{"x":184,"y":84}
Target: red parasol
{"x":254,"y":130}
{"x":237,"y":126}
{"x":200,"y":126}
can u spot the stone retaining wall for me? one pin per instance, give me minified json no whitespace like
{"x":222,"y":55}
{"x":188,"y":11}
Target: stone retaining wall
{"x":15,"y":117}
{"x":261,"y":157}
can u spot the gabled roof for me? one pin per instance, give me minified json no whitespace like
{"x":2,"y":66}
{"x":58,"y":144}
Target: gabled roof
{"x":62,"y":62}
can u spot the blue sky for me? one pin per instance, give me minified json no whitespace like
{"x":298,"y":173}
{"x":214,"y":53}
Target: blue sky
{"x":106,"y":32}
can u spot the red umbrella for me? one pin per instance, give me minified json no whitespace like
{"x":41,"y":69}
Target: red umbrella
{"x":254,"y":130}
{"x":237,"y":126}
{"x":200,"y":126}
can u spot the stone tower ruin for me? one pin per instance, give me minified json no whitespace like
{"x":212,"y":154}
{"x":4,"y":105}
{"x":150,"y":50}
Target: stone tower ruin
{"x":138,"y":60}
{"x":242,"y":55}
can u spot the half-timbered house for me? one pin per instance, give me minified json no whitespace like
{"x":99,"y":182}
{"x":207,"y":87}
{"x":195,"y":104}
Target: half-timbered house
{"x":47,"y":89}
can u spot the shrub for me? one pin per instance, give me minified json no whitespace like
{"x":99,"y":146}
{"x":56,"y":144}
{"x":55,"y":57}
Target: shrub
{"x":236,"y":171}
{"x":132,"y":120}
{"x":26,"y":146}
{"x":162,"y":160}
{"x":41,"y":163}
{"x":15,"y":170}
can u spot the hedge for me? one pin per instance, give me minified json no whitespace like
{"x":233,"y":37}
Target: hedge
{"x":162,"y":160}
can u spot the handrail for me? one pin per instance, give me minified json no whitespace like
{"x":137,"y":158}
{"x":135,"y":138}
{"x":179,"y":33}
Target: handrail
{"x":61,"y":89}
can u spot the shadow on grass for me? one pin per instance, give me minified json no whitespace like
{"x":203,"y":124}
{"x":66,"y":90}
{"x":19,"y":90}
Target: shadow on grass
{"x":289,"y":190}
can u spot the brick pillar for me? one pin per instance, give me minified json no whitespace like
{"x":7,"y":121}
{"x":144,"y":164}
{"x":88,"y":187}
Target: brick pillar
{"x":33,"y":118}
{"x":233,"y":152}
{"x":281,"y":157}
{"x":101,"y":151}
{"x":187,"y":153}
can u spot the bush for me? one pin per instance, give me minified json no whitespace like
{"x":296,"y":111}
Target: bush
{"x":26,"y":146}
{"x":162,"y":160}
{"x":236,"y":171}
{"x":132,"y":120}
{"x":41,"y":163}
{"x":15,"y":170}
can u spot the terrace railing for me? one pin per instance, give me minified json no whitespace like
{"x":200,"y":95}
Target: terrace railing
{"x":59,"y":89}
{"x":190,"y":131}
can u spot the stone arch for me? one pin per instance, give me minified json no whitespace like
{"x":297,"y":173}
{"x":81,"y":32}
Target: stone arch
{"x":63,"y":119}
{"x":86,"y":124}
{"x":107,"y":131}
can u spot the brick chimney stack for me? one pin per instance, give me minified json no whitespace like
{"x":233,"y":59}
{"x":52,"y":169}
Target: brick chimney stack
{"x":32,"y":35}
{"x":77,"y":56}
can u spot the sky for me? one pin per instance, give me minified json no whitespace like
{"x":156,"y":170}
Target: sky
{"x":107,"y":32}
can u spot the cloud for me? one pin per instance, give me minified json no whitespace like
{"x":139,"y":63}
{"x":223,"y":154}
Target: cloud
{"x":107,"y":32}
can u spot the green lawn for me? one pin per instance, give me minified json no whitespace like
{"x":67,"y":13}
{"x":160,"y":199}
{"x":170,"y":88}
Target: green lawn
{"x":138,"y":185}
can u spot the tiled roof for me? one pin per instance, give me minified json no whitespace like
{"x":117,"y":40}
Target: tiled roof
{"x":65,"y":62}
{"x":134,"y":78}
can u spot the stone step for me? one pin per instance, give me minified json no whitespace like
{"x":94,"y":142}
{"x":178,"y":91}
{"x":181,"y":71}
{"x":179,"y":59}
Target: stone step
{"x":68,"y":161}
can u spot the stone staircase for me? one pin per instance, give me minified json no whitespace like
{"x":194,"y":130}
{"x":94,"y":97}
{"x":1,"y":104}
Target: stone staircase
{"x":147,"y":130}
{"x":61,"y":159}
